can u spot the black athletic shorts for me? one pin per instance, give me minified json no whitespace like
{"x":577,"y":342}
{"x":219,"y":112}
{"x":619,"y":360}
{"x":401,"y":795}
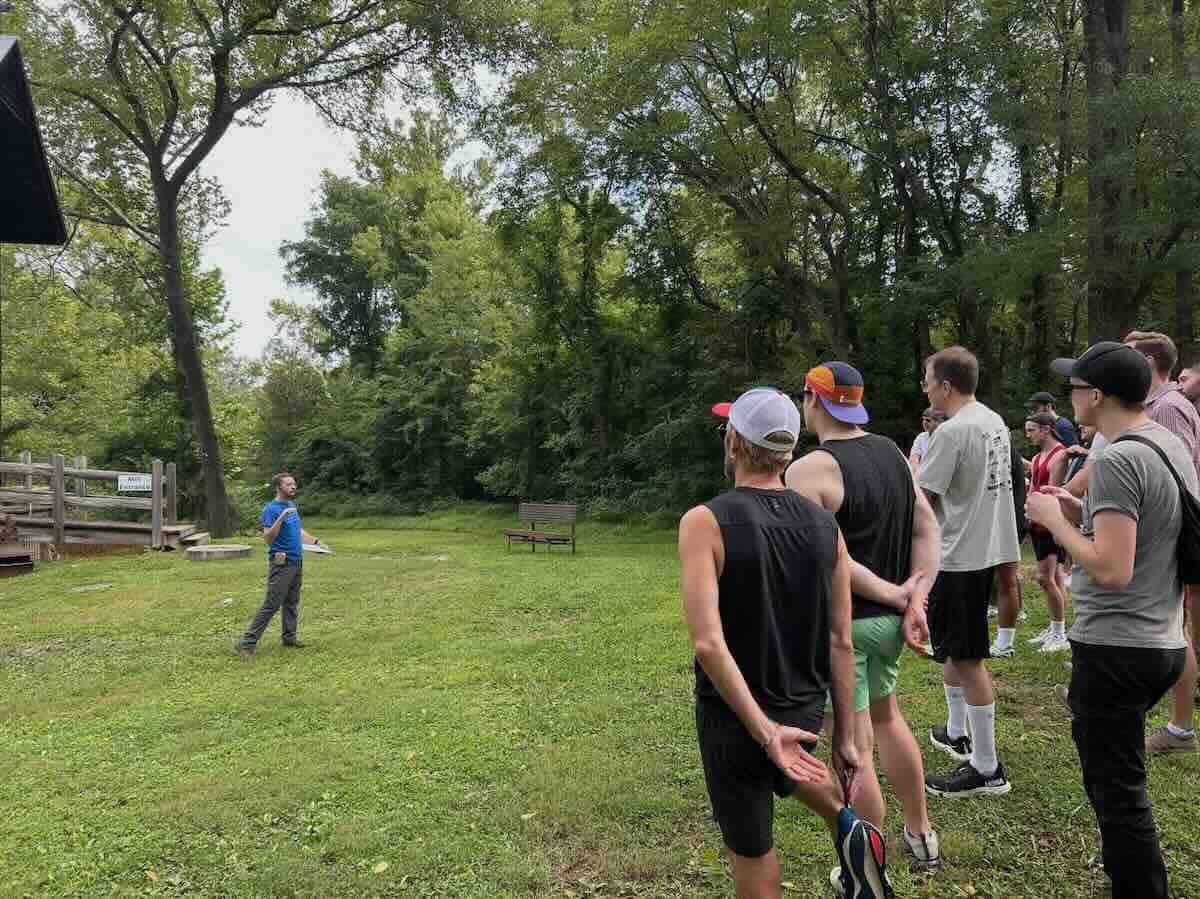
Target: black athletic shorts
{"x":742,"y":780}
{"x":958,"y":603}
{"x":1045,"y":545}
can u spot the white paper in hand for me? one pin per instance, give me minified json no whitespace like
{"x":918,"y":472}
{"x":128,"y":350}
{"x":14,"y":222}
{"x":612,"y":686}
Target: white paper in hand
{"x":317,"y":548}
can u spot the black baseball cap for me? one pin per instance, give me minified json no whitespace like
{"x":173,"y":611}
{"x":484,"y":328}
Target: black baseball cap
{"x":1041,"y":398}
{"x":1112,"y":368}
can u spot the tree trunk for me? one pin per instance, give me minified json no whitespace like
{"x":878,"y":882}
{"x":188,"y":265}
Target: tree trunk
{"x":217,"y":513}
{"x":1185,"y":304}
{"x":1110,"y":312}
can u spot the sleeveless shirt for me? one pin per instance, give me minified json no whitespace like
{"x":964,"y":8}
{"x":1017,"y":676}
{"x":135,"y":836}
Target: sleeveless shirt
{"x":774,"y":595}
{"x":876,"y":516}
{"x":1039,"y":474}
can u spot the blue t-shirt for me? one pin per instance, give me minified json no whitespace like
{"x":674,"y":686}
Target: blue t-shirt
{"x":289,"y":539}
{"x":1065,"y":432}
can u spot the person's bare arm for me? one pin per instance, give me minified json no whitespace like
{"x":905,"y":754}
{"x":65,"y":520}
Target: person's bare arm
{"x":1108,"y":555}
{"x":1078,"y":485}
{"x":841,"y":664}
{"x":307,"y":537}
{"x":1058,"y":469}
{"x":269,"y":534}
{"x":699,"y":548}
{"x":818,"y":477}
{"x":1072,"y":506}
{"x":926,"y":539}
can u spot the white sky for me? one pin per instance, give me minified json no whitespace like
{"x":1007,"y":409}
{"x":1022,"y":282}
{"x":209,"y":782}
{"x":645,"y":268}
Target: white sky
{"x":270,"y":175}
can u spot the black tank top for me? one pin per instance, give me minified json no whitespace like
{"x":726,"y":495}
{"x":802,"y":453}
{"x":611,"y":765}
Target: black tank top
{"x":774,"y":596}
{"x":877,"y":512}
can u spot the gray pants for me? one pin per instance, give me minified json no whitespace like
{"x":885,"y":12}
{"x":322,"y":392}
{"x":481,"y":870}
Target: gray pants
{"x":283,"y":589}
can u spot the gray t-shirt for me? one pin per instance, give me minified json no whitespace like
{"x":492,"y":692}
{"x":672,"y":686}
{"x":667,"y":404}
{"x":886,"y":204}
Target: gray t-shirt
{"x":1131,"y":479}
{"x":969,"y":467}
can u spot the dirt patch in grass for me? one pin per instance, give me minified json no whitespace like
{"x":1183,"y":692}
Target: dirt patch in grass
{"x":33,"y":650}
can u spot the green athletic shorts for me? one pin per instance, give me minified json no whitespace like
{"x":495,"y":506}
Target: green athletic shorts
{"x":878,"y":643}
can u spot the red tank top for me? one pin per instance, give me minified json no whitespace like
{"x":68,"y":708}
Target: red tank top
{"x":1039,"y":468}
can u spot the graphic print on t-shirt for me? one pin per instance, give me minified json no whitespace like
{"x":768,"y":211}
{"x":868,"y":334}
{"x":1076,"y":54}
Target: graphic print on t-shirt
{"x":999,"y":474}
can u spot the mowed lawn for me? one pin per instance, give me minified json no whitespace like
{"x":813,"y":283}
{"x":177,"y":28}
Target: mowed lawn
{"x":466,"y":722}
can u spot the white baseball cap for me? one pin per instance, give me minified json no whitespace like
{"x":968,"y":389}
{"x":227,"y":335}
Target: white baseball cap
{"x":762,"y":413}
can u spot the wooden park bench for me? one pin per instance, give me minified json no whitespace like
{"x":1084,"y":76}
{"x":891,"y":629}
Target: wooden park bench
{"x":534,"y":514}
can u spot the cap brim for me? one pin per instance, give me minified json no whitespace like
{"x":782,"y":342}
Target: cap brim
{"x":851,"y":415}
{"x":721,"y":409}
{"x":1063,"y":367}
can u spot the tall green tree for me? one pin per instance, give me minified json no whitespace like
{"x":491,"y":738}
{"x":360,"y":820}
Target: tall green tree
{"x":135,"y":96}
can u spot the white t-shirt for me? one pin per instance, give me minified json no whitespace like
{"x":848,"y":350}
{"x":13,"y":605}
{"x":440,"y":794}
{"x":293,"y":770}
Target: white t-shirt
{"x":921,"y":445}
{"x":969,"y":467}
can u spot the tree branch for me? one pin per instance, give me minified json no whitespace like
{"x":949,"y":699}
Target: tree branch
{"x":105,"y":201}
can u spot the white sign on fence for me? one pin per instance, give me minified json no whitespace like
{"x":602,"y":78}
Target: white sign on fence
{"x":134,"y":483}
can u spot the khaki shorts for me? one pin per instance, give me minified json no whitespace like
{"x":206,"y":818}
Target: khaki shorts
{"x":878,"y":643}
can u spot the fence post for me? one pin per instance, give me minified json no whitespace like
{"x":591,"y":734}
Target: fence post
{"x":27,"y":459}
{"x":156,"y":505}
{"x":81,"y":483}
{"x":172,"y":490}
{"x":58,"y":488}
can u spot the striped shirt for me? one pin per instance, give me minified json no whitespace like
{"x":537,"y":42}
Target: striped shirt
{"x":1168,"y":407}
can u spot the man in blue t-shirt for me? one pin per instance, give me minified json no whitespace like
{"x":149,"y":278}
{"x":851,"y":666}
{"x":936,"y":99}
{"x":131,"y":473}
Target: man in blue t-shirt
{"x":1063,"y":429}
{"x":285,"y":539}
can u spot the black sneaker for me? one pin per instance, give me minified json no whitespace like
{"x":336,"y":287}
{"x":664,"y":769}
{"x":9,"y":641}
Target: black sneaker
{"x":966,"y":781}
{"x":959,"y":747}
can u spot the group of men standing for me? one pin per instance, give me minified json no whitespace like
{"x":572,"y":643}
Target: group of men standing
{"x":806,"y":580}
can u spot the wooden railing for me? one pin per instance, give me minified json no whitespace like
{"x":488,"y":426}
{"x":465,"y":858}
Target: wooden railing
{"x":162,"y":504}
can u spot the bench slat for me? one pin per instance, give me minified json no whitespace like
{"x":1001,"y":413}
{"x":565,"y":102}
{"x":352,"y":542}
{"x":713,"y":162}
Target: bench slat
{"x":550,"y":512}
{"x":538,"y":536}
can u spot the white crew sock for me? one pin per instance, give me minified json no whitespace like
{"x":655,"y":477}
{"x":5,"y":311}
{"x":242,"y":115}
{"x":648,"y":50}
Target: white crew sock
{"x":1058,"y":629}
{"x":983,"y":738}
{"x":1004,"y":637}
{"x":956,"y":702}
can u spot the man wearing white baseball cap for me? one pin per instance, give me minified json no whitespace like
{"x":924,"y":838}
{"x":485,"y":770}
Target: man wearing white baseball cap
{"x":766,"y":592}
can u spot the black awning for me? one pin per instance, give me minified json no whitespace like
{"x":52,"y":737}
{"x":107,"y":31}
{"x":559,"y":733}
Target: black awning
{"x":29,"y":210}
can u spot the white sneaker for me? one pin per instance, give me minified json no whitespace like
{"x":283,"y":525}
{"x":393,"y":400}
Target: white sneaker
{"x":1040,"y":638}
{"x":1056,"y":643}
{"x":923,"y":848}
{"x":998,"y":652}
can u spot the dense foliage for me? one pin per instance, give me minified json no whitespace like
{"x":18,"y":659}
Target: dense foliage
{"x":677,"y":201}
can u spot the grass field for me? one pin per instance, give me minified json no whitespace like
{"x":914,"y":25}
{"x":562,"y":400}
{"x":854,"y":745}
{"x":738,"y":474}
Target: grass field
{"x":466,"y":722}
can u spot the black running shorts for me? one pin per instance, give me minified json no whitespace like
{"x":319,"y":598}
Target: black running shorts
{"x":1044,"y":544}
{"x":958,"y":603}
{"x":742,"y":780}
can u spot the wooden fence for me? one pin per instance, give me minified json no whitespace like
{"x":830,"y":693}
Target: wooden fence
{"x":46,"y":507}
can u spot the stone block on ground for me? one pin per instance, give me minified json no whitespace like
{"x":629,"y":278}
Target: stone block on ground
{"x":219,"y":551}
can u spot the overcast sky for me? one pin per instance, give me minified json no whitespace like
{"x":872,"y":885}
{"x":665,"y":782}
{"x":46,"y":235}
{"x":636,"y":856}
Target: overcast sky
{"x":270,"y":175}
